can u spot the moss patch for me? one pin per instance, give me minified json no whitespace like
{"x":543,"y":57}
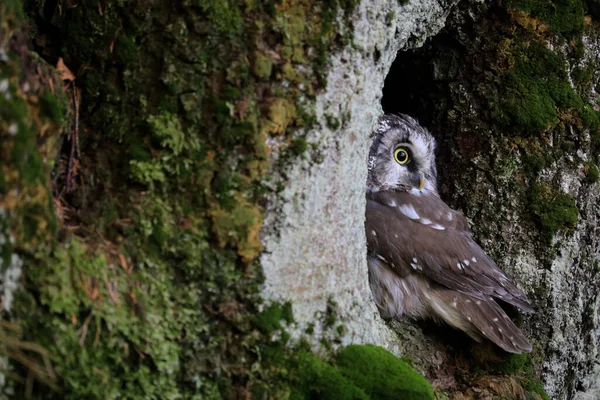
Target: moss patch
{"x":536,"y":89}
{"x":554,"y":210}
{"x":563,"y":17}
{"x":592,"y":175}
{"x":380,"y":374}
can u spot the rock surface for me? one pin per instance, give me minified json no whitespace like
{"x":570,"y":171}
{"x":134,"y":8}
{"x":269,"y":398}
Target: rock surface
{"x":522,"y":210}
{"x":314,"y":231}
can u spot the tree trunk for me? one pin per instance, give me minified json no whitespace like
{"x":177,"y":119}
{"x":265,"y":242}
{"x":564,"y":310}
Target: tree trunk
{"x":182,"y":194}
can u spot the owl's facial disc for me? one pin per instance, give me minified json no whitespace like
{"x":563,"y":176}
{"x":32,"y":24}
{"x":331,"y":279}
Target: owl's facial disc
{"x":401,"y":156}
{"x":408,"y":163}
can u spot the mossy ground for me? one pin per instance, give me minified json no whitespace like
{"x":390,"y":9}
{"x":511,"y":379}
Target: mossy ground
{"x":139,"y":265}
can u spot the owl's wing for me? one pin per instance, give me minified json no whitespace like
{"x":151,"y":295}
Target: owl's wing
{"x":421,"y":232}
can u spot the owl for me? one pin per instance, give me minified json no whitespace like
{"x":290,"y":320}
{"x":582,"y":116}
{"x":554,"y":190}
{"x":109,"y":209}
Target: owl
{"x":422,"y":259}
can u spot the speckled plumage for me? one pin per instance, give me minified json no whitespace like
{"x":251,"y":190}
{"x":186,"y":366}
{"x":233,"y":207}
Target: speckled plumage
{"x":423,"y":261}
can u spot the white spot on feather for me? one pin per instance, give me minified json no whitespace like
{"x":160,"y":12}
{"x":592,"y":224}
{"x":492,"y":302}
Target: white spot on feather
{"x":449,"y":216}
{"x":406,"y":289}
{"x":466,"y":262}
{"x":414,"y":266}
{"x":425,"y":221}
{"x":438,"y":227}
{"x":409,"y":211}
{"x":392,"y":203}
{"x":380,"y":257}
{"x":478,"y":302}
{"x":473,"y":259}
{"x":469,"y":319}
{"x":374,"y":233}
{"x":495,"y":319}
{"x":415,"y":259}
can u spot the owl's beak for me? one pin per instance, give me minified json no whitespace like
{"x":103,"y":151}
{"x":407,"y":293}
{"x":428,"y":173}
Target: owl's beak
{"x":419,"y":181}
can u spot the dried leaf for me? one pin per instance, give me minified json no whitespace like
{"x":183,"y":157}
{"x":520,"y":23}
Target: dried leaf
{"x":64,"y":71}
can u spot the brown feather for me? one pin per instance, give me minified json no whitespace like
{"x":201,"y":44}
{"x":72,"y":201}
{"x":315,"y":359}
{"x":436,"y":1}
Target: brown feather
{"x":424,"y":262}
{"x":446,"y":256}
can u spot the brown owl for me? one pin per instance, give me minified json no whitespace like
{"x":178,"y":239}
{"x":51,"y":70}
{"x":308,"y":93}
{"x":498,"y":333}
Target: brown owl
{"x":423,"y":261}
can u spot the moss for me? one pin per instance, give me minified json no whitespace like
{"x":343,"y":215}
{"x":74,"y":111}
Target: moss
{"x":592,"y":175}
{"x":224,"y":16}
{"x":176,"y":110}
{"x":590,"y":118}
{"x":537,"y":387}
{"x":564,"y":17}
{"x":553,"y":209}
{"x":319,"y":380}
{"x":581,"y":76}
{"x":357,"y":372}
{"x":263,"y":66}
{"x":125,"y":49}
{"x":51,"y":107}
{"x":535,"y":88}
{"x":380,"y":374}
{"x":332,"y":122}
{"x":513,"y":365}
{"x":298,"y":146}
{"x":271,"y":318}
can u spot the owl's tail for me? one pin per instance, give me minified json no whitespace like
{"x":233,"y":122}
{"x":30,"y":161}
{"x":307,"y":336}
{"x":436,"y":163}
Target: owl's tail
{"x":478,"y":318}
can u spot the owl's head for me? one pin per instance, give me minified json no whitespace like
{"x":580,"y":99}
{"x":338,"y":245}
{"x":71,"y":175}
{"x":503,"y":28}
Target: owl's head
{"x":401,"y":156}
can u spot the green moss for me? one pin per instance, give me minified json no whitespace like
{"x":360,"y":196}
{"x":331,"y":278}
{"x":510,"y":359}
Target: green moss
{"x":3,"y":184}
{"x":537,"y":387}
{"x":564,"y":17}
{"x":592,"y":175}
{"x":590,"y":118}
{"x":167,"y":193}
{"x":298,"y":146}
{"x":358,"y":372}
{"x":380,"y":374}
{"x":263,"y":66}
{"x":271,"y":318}
{"x":332,"y":122}
{"x":536,"y":161}
{"x":581,"y":76}
{"x":513,"y":365}
{"x":224,"y":16}
{"x":51,"y":107}
{"x":553,"y":209}
{"x":125,"y":49}
{"x":319,"y":380}
{"x":535,"y":88}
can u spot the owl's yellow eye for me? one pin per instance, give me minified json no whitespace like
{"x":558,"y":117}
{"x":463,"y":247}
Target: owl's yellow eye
{"x":401,"y":155}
